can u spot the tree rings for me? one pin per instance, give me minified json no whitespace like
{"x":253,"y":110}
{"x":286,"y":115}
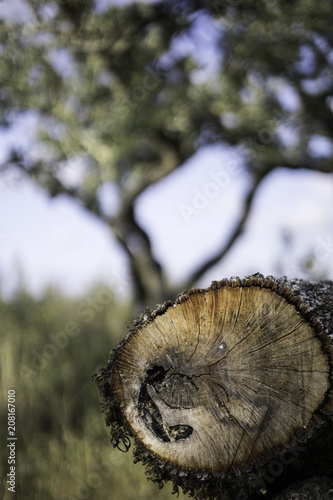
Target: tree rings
{"x":220,"y":379}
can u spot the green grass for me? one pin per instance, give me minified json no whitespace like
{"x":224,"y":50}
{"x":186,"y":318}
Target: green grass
{"x":63,"y":450}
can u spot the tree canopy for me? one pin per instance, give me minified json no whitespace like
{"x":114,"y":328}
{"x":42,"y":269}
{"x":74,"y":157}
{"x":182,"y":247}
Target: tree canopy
{"x":125,"y":94}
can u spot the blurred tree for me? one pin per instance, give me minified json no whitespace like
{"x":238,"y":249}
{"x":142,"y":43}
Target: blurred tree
{"x":122,"y":104}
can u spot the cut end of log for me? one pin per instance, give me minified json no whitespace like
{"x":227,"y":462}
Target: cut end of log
{"x":219,"y":380}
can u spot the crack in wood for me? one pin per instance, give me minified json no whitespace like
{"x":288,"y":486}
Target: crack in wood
{"x":157,"y":379}
{"x":221,"y":380}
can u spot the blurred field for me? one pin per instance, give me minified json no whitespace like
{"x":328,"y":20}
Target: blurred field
{"x":63,"y":450}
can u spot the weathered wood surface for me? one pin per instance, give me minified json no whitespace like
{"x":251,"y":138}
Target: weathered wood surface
{"x":228,"y":391}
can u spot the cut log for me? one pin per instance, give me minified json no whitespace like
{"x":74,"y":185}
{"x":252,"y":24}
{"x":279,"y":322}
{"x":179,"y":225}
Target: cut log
{"x":218,"y":384}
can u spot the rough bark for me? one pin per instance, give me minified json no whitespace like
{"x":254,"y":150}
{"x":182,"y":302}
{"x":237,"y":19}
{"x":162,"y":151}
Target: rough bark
{"x":314,"y":488}
{"x":227,"y":392}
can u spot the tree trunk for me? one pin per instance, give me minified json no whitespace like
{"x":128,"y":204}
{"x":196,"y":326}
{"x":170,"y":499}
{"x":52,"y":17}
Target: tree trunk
{"x":228,"y":391}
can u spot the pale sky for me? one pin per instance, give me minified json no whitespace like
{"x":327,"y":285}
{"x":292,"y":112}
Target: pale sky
{"x":188,"y":215}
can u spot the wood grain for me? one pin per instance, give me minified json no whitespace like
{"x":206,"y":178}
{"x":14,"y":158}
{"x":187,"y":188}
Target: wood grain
{"x":223,"y":377}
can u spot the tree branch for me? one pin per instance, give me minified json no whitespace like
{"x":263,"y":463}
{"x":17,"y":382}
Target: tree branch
{"x":198,"y":273}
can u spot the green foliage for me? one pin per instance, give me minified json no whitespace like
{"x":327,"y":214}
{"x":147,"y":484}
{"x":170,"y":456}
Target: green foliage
{"x":63,"y":447}
{"x":111,"y":88}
